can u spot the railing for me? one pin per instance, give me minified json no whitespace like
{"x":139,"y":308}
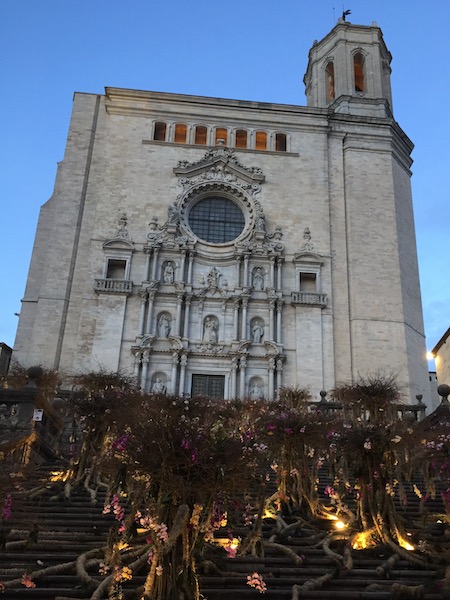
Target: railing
{"x":113,"y":286}
{"x":29,"y":425}
{"x":309,"y":298}
{"x":397,"y":412}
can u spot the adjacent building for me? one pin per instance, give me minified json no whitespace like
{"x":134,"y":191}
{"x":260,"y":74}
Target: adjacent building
{"x":234,"y":247}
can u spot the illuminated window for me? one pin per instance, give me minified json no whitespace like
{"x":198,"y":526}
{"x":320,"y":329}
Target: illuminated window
{"x":180,"y":133}
{"x":261,"y":140}
{"x":159,"y":133}
{"x":358,"y":67}
{"x":280,"y":142}
{"x":216,"y":220}
{"x":329,"y":78}
{"x":221,"y":134}
{"x":241,"y":138}
{"x":200,"y":135}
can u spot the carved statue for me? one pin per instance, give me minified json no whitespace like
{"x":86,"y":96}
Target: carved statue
{"x":213,"y":278}
{"x":173,"y":214}
{"x":158,"y":387}
{"x":258,"y":279}
{"x":163,"y":326}
{"x":255,"y":392}
{"x":257,"y":333}
{"x":210,"y":331}
{"x":168,"y":275}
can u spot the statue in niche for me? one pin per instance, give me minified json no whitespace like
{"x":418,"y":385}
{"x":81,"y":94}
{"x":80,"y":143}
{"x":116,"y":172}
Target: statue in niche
{"x":158,"y":386}
{"x":213,"y":278}
{"x":260,"y":222}
{"x":163,"y":326}
{"x":255,"y":392}
{"x":257,"y":332}
{"x":210,"y":331}
{"x":168,"y":275}
{"x":258,"y":279}
{"x":173,"y":214}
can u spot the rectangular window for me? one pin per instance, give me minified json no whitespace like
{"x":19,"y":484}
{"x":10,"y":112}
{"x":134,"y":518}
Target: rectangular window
{"x":221,"y":134}
{"x":241,"y":138}
{"x":280,"y":142}
{"x":308,"y":282}
{"x":180,"y":133}
{"x":261,"y":140}
{"x":159,"y":133}
{"x":200,"y":135}
{"x":116,"y":269}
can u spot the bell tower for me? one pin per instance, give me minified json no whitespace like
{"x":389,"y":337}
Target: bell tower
{"x":349,"y":71}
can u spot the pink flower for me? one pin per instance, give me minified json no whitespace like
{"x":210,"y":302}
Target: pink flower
{"x":256,"y":581}
{"x":231,"y":551}
{"x":27,"y":581}
{"x":7,"y":507}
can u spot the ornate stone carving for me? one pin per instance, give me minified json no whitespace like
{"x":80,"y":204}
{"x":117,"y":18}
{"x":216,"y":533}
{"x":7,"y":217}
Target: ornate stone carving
{"x":122,"y":231}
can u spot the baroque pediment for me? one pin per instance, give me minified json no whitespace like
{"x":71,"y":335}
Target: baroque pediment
{"x":218,"y":164}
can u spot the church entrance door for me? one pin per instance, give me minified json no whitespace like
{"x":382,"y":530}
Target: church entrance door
{"x":208,"y":385}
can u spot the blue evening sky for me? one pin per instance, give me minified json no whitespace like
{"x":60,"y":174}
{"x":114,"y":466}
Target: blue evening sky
{"x":244,"y":49}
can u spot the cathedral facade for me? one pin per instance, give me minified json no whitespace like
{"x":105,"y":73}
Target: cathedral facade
{"x":233,"y":247}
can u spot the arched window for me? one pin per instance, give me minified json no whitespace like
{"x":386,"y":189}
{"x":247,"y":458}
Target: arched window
{"x":159,"y":132}
{"x":358,"y":68}
{"x":180,"y":133}
{"x":329,"y":79}
{"x":280,"y":142}
{"x":261,"y":140}
{"x":241,"y":138}
{"x":221,"y":134}
{"x":200,"y":135}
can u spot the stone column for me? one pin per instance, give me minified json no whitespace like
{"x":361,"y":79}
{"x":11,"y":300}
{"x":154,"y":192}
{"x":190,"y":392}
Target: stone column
{"x":144,"y":295}
{"x":180,"y":296}
{"x":187,"y":311}
{"x":183,"y":362}
{"x":221,"y":336}
{"x":182,"y":264}
{"x":239,"y":269}
{"x":279,"y":365}
{"x":190,"y":267}
{"x":155,"y":263}
{"x":137,"y":364}
{"x":234,"y":366}
{"x":200,"y":317}
{"x":174,"y":372}
{"x":243,"y":366}
{"x":280,"y":261}
{"x":271,"y":368}
{"x":272,"y":271}
{"x":151,"y":300}
{"x":145,"y":363}
{"x":279,"y":311}
{"x":244,"y":319}
{"x":271,"y":319}
{"x":236,"y":302}
{"x":148,"y":253}
{"x":245,"y":282}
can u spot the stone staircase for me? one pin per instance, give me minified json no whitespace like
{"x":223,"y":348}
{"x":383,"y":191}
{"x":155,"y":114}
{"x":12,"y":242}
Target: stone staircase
{"x":46,"y":532}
